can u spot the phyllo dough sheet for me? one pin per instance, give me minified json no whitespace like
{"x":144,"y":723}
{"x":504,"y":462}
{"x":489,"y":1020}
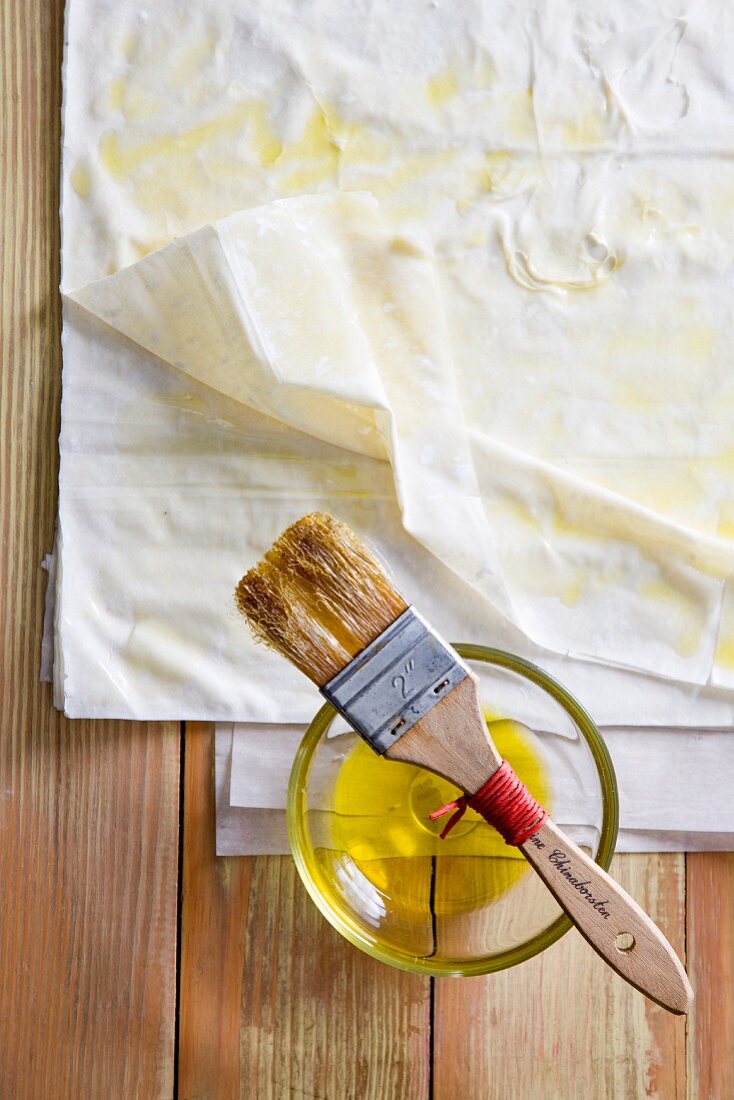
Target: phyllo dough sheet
{"x":459,"y":275}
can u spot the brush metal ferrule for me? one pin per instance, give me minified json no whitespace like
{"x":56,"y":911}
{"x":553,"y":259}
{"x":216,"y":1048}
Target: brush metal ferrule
{"x":395,"y":681}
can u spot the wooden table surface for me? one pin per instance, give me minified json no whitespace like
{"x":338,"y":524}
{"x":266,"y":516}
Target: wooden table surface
{"x":133,"y":963}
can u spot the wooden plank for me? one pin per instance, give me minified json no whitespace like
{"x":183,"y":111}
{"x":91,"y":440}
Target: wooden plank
{"x":88,"y":811}
{"x":273,"y":1002}
{"x":215,"y":897}
{"x":462,"y":930}
{"x":710,"y":945}
{"x":563,"y":1024}
{"x":88,"y":934}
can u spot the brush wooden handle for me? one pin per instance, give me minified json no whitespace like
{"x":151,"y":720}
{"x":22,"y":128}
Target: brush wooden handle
{"x":453,"y":741}
{"x":612,"y":922}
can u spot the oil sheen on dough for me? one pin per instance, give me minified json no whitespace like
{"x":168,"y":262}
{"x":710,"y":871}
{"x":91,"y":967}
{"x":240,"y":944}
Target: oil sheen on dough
{"x":575,"y":234}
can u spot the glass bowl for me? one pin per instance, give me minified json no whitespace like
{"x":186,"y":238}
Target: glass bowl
{"x":375,"y":866}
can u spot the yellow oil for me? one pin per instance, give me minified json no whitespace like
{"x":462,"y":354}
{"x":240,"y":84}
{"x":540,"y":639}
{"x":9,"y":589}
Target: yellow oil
{"x":381,"y":837}
{"x":120,"y":159}
{"x":725,"y":652}
{"x":81,"y":180}
{"x":442,"y":87}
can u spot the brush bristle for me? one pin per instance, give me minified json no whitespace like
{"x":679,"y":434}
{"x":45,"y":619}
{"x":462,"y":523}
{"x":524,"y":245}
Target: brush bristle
{"x":319,"y":596}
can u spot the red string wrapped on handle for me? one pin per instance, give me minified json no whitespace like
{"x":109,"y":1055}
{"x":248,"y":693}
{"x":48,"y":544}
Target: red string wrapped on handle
{"x":504,"y":802}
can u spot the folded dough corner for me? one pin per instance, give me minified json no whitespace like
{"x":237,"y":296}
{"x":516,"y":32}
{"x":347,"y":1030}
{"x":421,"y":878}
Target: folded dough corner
{"x":296,"y":355}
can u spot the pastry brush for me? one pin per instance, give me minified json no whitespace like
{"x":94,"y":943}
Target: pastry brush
{"x":321,"y":598}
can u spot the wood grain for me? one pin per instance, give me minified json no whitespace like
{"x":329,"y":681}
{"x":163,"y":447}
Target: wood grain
{"x":606,"y":915}
{"x":522,"y":906}
{"x":710,"y":945}
{"x":215,"y":897}
{"x":273,"y":1002}
{"x":562,"y":1026}
{"x":88,"y":811}
{"x":452,"y":740}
